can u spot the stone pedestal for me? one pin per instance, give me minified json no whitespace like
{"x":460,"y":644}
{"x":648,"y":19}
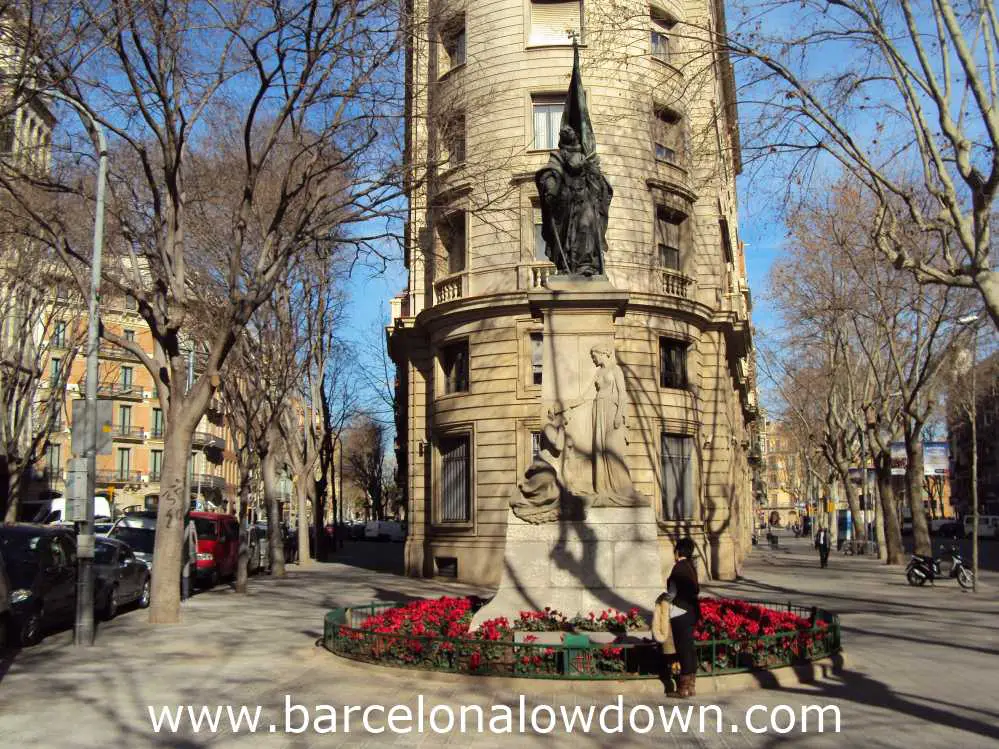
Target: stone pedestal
{"x":608,"y":560}
{"x":579,"y":537}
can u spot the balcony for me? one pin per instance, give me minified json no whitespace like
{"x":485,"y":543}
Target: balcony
{"x":676,"y":284}
{"x":156,"y":433}
{"x":540,"y":275}
{"x":130,"y":433}
{"x":119,"y":477}
{"x":450,"y":288}
{"x":110,"y":351}
{"x":207,"y":481}
{"x":209,"y":440}
{"x":118,"y":390}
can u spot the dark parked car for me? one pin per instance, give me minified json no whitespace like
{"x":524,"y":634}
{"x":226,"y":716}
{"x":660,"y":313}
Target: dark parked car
{"x":121,"y":578}
{"x":5,"y":613}
{"x":41,"y":566}
{"x":953,"y":529}
{"x":140,"y":540}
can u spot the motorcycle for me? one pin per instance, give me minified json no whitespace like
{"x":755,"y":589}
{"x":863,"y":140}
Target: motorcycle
{"x":922,"y":568}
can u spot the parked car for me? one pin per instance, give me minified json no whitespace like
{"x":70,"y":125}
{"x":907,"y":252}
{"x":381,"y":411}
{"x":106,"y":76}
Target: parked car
{"x":5,"y":609}
{"x":355,"y":530}
{"x":393,"y":530}
{"x":218,"y":547}
{"x":54,"y":511}
{"x":988,"y":526}
{"x":950,"y":529}
{"x":140,"y":540}
{"x":120,"y":578}
{"x":384,"y":530}
{"x":260,"y":553}
{"x":41,"y":565}
{"x":137,"y":519}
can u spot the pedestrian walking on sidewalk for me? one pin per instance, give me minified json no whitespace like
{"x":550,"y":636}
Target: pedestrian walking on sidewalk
{"x":190,"y":558}
{"x":682,"y":591}
{"x":822,"y":544}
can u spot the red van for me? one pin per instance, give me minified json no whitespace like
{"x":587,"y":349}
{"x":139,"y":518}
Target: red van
{"x":218,"y":547}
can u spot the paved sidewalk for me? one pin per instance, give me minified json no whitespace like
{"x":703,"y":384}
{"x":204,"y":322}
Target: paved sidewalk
{"x":921,"y":668}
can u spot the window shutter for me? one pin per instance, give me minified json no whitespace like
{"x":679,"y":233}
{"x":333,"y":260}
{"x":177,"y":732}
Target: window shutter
{"x":677,"y":477}
{"x":550,"y":22}
{"x":455,"y":480}
{"x":537,"y":357}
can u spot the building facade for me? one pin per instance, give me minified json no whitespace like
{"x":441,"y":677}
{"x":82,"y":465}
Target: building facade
{"x":486,"y":86}
{"x":130,"y":474}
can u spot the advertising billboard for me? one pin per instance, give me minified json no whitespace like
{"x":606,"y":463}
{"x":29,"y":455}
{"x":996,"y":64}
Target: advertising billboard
{"x":936,"y":459}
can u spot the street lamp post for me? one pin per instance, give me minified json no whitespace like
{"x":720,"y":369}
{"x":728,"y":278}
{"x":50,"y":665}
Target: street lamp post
{"x":973,"y":415}
{"x":339,"y":492}
{"x":84,"y":625}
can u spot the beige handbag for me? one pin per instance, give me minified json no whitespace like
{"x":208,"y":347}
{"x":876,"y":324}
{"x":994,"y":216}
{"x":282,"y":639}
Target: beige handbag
{"x":662,"y":631}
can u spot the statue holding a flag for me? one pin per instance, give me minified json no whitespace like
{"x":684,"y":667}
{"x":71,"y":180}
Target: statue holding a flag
{"x":575,"y":195}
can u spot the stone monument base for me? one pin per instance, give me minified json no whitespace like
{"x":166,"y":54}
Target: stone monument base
{"x":609,"y":560}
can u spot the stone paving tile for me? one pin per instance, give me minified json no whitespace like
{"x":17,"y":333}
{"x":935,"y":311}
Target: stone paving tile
{"x":920,"y":667}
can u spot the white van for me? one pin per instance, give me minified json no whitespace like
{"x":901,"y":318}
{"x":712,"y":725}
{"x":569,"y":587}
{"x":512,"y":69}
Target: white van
{"x":988,"y":526}
{"x":384,"y":530}
{"x":54,"y":511}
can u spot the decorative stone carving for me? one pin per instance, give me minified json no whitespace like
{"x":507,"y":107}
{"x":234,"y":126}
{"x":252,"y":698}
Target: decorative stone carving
{"x":582,"y":467}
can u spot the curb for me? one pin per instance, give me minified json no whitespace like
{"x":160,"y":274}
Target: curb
{"x":776,"y":679}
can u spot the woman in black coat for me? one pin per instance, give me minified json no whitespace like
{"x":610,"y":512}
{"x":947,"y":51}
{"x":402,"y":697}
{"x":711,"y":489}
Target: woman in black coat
{"x":683,"y":591}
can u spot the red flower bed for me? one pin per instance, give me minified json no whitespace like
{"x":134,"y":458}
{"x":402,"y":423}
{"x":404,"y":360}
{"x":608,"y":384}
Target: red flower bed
{"x":762,"y":636}
{"x":732,"y":619}
{"x":756,"y":636}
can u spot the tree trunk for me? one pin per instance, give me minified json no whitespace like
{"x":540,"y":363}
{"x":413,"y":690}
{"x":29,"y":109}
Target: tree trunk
{"x":879,"y":523}
{"x":169,"y":544}
{"x":302,"y":490}
{"x":852,"y":500}
{"x":889,"y":512}
{"x":17,"y":480}
{"x":319,"y":517}
{"x":274,"y":540}
{"x":914,"y":484}
{"x":242,"y":573}
{"x":8,"y":497}
{"x":832,"y":518}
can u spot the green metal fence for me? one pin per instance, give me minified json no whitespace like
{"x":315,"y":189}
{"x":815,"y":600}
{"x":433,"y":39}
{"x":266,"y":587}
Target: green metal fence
{"x":576,"y":657}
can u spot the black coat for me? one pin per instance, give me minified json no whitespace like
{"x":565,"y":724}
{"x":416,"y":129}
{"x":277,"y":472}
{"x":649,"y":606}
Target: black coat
{"x":683,"y":579}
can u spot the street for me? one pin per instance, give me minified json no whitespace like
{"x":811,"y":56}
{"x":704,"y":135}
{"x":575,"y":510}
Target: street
{"x":919,"y":665}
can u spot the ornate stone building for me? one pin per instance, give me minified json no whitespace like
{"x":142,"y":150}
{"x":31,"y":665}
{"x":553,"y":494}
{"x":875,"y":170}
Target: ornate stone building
{"x":486,"y":83}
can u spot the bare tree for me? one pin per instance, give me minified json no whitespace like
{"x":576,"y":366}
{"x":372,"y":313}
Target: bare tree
{"x":904,"y":98}
{"x":365,"y":461}
{"x":241,"y":139}
{"x":889,"y":330}
{"x":39,"y":340}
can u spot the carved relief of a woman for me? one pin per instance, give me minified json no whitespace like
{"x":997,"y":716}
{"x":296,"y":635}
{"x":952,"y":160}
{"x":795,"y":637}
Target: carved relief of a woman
{"x":611,"y":479}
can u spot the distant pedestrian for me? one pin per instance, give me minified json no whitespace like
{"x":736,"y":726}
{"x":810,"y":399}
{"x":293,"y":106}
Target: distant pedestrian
{"x":822,"y":544}
{"x":190,"y":558}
